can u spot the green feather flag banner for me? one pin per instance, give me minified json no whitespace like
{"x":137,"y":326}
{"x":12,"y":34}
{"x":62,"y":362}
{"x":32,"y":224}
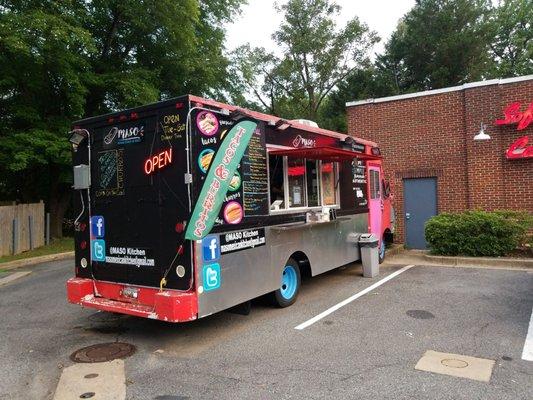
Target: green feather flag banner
{"x":222,"y":169}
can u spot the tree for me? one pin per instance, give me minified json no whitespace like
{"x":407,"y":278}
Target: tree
{"x":363,"y":83}
{"x":511,"y":33}
{"x":63,"y":60}
{"x":438,"y":43}
{"x":315,"y":57}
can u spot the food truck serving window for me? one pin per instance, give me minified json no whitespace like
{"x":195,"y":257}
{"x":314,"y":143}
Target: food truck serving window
{"x":297,"y":183}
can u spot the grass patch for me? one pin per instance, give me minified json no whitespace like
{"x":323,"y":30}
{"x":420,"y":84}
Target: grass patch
{"x":56,"y":246}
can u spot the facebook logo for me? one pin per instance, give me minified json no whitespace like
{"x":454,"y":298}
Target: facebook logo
{"x":210,"y":248}
{"x":97,"y":226}
{"x":98,"y":250}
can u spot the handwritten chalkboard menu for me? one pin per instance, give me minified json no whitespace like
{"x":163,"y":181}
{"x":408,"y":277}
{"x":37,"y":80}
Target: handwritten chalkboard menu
{"x":359,"y":183}
{"x":110,"y":166}
{"x":255,"y":179}
{"x":172,"y":125}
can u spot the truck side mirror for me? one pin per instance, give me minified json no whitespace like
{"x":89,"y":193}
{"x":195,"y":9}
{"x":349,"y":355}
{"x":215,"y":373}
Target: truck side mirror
{"x":386,"y":189}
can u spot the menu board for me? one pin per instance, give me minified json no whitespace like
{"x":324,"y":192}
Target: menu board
{"x":255,"y":178}
{"x":359,"y":183}
{"x":110,"y":165}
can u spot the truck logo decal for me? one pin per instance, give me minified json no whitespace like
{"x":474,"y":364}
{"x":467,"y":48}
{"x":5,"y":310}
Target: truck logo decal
{"x":216,"y":184}
{"x":300,"y":141}
{"x":98,"y":250}
{"x":211,"y":277}
{"x":210,"y":248}
{"x":97,"y":226}
{"x":132,"y":134}
{"x":207,"y":123}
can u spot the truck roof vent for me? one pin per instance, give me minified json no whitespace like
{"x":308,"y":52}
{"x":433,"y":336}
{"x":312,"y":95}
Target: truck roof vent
{"x":306,"y":122}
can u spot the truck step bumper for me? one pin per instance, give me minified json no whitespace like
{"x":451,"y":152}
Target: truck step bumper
{"x":166,"y":305}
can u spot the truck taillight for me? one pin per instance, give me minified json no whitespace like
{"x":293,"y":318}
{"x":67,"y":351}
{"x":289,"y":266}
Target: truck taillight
{"x":83,"y":244}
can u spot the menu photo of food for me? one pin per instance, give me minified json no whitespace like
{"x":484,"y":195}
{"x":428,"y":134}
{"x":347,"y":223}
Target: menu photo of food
{"x":204,"y":159}
{"x":207,"y":123}
{"x":233,"y":213}
{"x":235,"y":182}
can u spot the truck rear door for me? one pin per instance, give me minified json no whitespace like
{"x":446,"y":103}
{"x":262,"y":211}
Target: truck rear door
{"x":139,"y":199}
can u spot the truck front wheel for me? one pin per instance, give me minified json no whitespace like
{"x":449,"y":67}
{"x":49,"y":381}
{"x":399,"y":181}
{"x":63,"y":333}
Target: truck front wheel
{"x":290,"y":285}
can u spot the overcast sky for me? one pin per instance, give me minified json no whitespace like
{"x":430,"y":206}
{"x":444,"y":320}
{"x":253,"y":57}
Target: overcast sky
{"x":259,"y":20}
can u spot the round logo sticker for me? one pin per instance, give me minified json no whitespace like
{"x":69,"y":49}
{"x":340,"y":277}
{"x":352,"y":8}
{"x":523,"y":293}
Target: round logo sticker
{"x":233,"y":213}
{"x":207,"y":123}
{"x":204,"y":159}
{"x":235,"y":182}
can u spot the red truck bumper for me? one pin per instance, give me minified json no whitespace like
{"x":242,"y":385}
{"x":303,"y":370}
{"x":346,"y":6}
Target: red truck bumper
{"x":166,"y":305}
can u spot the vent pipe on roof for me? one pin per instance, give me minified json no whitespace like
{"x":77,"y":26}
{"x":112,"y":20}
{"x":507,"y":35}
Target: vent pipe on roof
{"x":306,"y":122}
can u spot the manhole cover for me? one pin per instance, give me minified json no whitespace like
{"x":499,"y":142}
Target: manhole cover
{"x":454,"y":363}
{"x":103,"y":352}
{"x":420,"y":314}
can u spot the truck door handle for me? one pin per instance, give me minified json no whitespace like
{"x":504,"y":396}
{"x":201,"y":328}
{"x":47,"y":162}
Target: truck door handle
{"x":407,"y":215}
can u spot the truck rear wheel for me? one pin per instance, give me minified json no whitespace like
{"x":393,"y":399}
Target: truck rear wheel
{"x":290,"y":285}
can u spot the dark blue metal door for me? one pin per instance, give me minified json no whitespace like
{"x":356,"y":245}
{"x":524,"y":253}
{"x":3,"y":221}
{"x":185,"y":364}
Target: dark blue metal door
{"x":420,"y":204}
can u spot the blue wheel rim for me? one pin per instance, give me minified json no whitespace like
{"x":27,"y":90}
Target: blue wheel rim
{"x":289,"y":282}
{"x":382,"y":249}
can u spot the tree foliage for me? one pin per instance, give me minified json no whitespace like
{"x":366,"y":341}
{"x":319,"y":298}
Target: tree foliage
{"x":314,"y":57}
{"x":63,"y":60}
{"x":511,"y":38}
{"x":442,"y":43}
{"x":438,"y":43}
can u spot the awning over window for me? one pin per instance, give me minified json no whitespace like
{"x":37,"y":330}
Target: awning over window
{"x":323,"y":153}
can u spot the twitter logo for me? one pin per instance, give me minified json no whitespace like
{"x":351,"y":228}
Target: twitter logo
{"x":211,"y":277}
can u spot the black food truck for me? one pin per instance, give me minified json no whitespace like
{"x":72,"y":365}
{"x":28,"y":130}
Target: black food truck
{"x":190,"y":206}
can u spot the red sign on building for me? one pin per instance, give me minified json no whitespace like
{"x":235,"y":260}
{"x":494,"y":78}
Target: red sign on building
{"x":520,"y":149}
{"x":513,"y":115}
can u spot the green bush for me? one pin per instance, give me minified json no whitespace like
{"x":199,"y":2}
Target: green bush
{"x":478,"y":233}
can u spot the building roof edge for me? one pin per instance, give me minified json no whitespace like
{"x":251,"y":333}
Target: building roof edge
{"x":439,"y":91}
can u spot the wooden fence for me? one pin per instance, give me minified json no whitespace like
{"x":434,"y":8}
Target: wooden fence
{"x":22,"y":227}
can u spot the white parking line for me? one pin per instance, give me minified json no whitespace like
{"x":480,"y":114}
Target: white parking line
{"x":527,"y":353}
{"x":13,"y":276}
{"x":351,"y":298}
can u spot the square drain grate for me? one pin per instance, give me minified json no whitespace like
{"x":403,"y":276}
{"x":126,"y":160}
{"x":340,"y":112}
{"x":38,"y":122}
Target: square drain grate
{"x":479,"y":369}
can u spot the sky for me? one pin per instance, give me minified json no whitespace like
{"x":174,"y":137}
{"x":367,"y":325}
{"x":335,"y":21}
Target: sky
{"x":259,"y":20}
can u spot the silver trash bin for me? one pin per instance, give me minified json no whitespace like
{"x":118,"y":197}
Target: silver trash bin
{"x":368,"y":245}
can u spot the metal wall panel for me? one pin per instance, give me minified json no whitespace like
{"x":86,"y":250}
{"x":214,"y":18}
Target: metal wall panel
{"x":250,"y":273}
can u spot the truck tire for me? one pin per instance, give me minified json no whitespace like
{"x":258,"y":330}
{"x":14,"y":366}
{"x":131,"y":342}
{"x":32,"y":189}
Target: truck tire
{"x":290,"y":285}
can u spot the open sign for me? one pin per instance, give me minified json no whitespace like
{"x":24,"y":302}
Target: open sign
{"x":158,"y":161}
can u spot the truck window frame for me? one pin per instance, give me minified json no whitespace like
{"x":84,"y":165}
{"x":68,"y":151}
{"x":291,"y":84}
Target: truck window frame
{"x":291,"y":210}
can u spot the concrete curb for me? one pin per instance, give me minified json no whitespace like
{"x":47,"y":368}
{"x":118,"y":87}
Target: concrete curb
{"x":422,"y":258}
{"x":35,"y":260}
{"x":482,"y":261}
{"x":394,"y":250}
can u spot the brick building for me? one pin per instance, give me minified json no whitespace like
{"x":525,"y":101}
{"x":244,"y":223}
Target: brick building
{"x":431,"y":158}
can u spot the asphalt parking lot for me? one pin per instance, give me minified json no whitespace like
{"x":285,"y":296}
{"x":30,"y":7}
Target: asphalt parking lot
{"x":366,"y":349}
